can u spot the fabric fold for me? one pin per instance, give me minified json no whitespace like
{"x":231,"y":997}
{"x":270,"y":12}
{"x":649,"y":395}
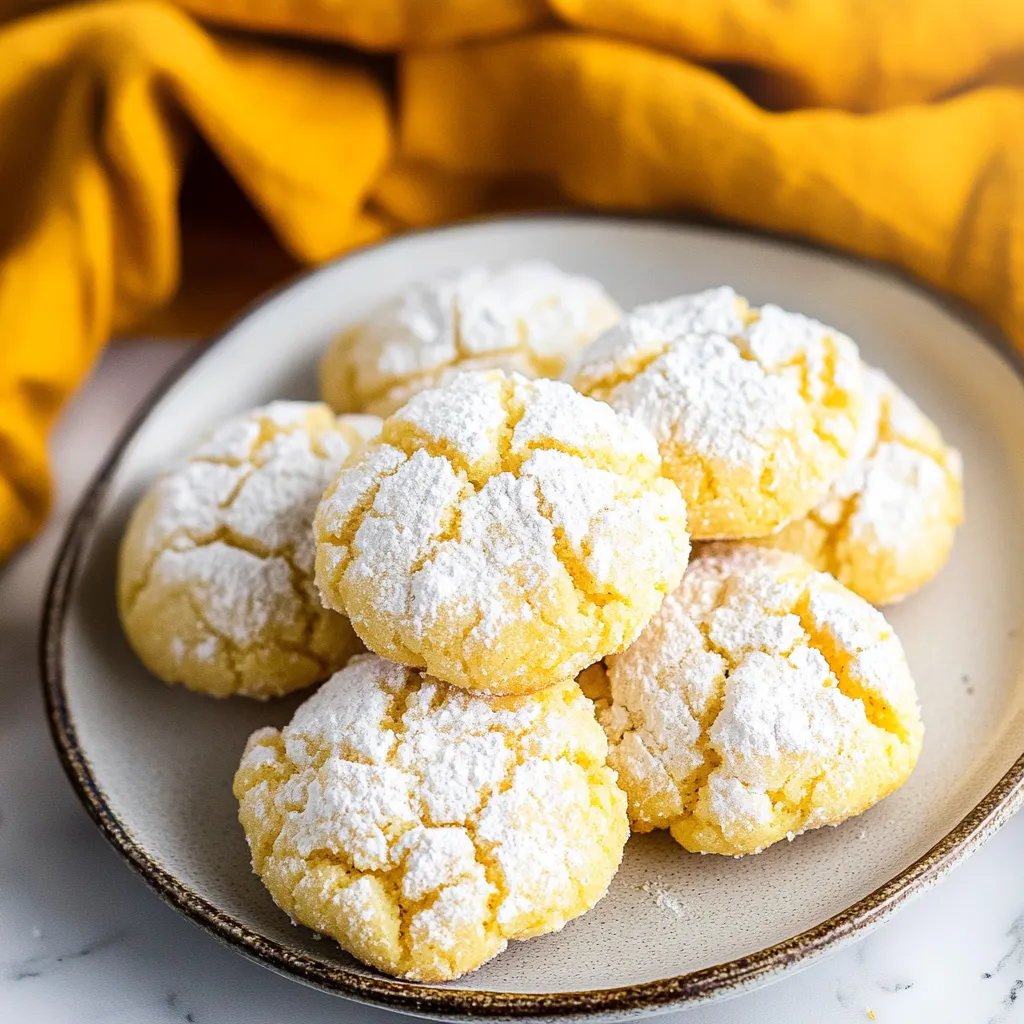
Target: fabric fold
{"x":938,"y":189}
{"x":97,"y":107}
{"x":158,"y":171}
{"x":853,"y":54}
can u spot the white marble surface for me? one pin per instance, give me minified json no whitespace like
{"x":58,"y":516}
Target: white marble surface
{"x":83,"y":940}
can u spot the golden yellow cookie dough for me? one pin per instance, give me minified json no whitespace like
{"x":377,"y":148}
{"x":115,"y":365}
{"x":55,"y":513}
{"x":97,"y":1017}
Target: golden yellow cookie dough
{"x":756,"y":411}
{"x":528,"y":317}
{"x":503,"y":534}
{"x":887,"y":525}
{"x":763,"y":699}
{"x":422,"y":826}
{"x":215,"y":578}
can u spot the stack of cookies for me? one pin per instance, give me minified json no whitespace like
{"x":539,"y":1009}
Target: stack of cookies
{"x":547,"y":664}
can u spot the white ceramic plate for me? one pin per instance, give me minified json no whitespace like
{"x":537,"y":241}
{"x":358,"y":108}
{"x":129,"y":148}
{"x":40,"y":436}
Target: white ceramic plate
{"x":154,"y":764}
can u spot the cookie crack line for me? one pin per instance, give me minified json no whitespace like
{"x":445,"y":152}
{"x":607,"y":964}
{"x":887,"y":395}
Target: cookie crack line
{"x":498,"y":495}
{"x":780,"y":798}
{"x":389,"y":722}
{"x":234,"y":650}
{"x":268,"y":430}
{"x":130,"y":595}
{"x":822,"y":725}
{"x":413,"y":440}
{"x":602,"y":385}
{"x":514,"y":409}
{"x":223,"y":506}
{"x":228,"y":503}
{"x":918,"y":446}
{"x":835,"y":531}
{"x":792,"y":398}
{"x":527,"y":314}
{"x":226,"y":528}
{"x":569,"y":562}
{"x":882,"y":717}
{"x":445,"y":885}
{"x":363,"y":508}
{"x":224,"y":535}
{"x":711,"y":756}
{"x":299,"y":648}
{"x":231,"y":649}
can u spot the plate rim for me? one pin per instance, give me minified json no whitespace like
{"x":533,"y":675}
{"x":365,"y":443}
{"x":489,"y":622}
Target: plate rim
{"x":706,"y":984}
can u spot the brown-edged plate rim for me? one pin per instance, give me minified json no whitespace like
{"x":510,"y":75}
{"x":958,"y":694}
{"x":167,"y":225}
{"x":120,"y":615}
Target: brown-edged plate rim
{"x":731,"y":977}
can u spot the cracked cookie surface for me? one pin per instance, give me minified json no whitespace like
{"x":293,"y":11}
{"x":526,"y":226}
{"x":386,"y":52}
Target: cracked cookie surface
{"x":528,"y":317}
{"x":503,"y":534}
{"x":215,"y":576}
{"x":422,"y":826}
{"x":763,"y":699}
{"x":887,"y":525}
{"x":756,"y":411}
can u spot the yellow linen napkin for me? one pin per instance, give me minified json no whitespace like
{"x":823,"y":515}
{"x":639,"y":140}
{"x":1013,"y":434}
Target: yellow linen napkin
{"x":157,"y":172}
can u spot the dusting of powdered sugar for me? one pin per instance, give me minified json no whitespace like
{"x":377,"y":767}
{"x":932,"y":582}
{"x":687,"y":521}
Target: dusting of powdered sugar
{"x":642,"y":334}
{"x":909,"y":479}
{"x":527,"y":316}
{"x":760,"y":670}
{"x":664,"y":898}
{"x":496,"y":502}
{"x":851,"y":480}
{"x":888,"y":522}
{"x":486,"y":806}
{"x":232,"y":523}
{"x":732,"y":385}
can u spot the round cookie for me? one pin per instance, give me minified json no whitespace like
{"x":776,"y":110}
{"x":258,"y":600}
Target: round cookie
{"x":763,"y":699}
{"x":756,"y":411}
{"x":422,"y":826}
{"x":527,"y":317}
{"x":887,"y":525}
{"x":503,"y":534}
{"x":215,"y":576}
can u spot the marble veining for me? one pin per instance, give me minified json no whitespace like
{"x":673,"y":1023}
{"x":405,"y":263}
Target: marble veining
{"x":174,"y":1004}
{"x":1015,"y":954}
{"x":83,"y":941}
{"x":40,"y":964}
{"x":1005,"y":971}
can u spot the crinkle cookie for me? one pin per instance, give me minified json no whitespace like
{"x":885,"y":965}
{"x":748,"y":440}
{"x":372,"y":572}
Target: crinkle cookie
{"x":421,"y":826}
{"x":503,"y":534}
{"x":756,"y":411}
{"x":763,"y":699}
{"x":215,"y":581}
{"x":887,"y":525}
{"x":528,"y":317}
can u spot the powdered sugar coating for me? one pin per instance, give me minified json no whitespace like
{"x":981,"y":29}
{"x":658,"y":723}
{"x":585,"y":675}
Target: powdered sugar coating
{"x":528,"y":317}
{"x":887,"y":525}
{"x":503,"y":534}
{"x":762,"y":700}
{"x":422,"y":826}
{"x":756,"y":411}
{"x":215,"y":580}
